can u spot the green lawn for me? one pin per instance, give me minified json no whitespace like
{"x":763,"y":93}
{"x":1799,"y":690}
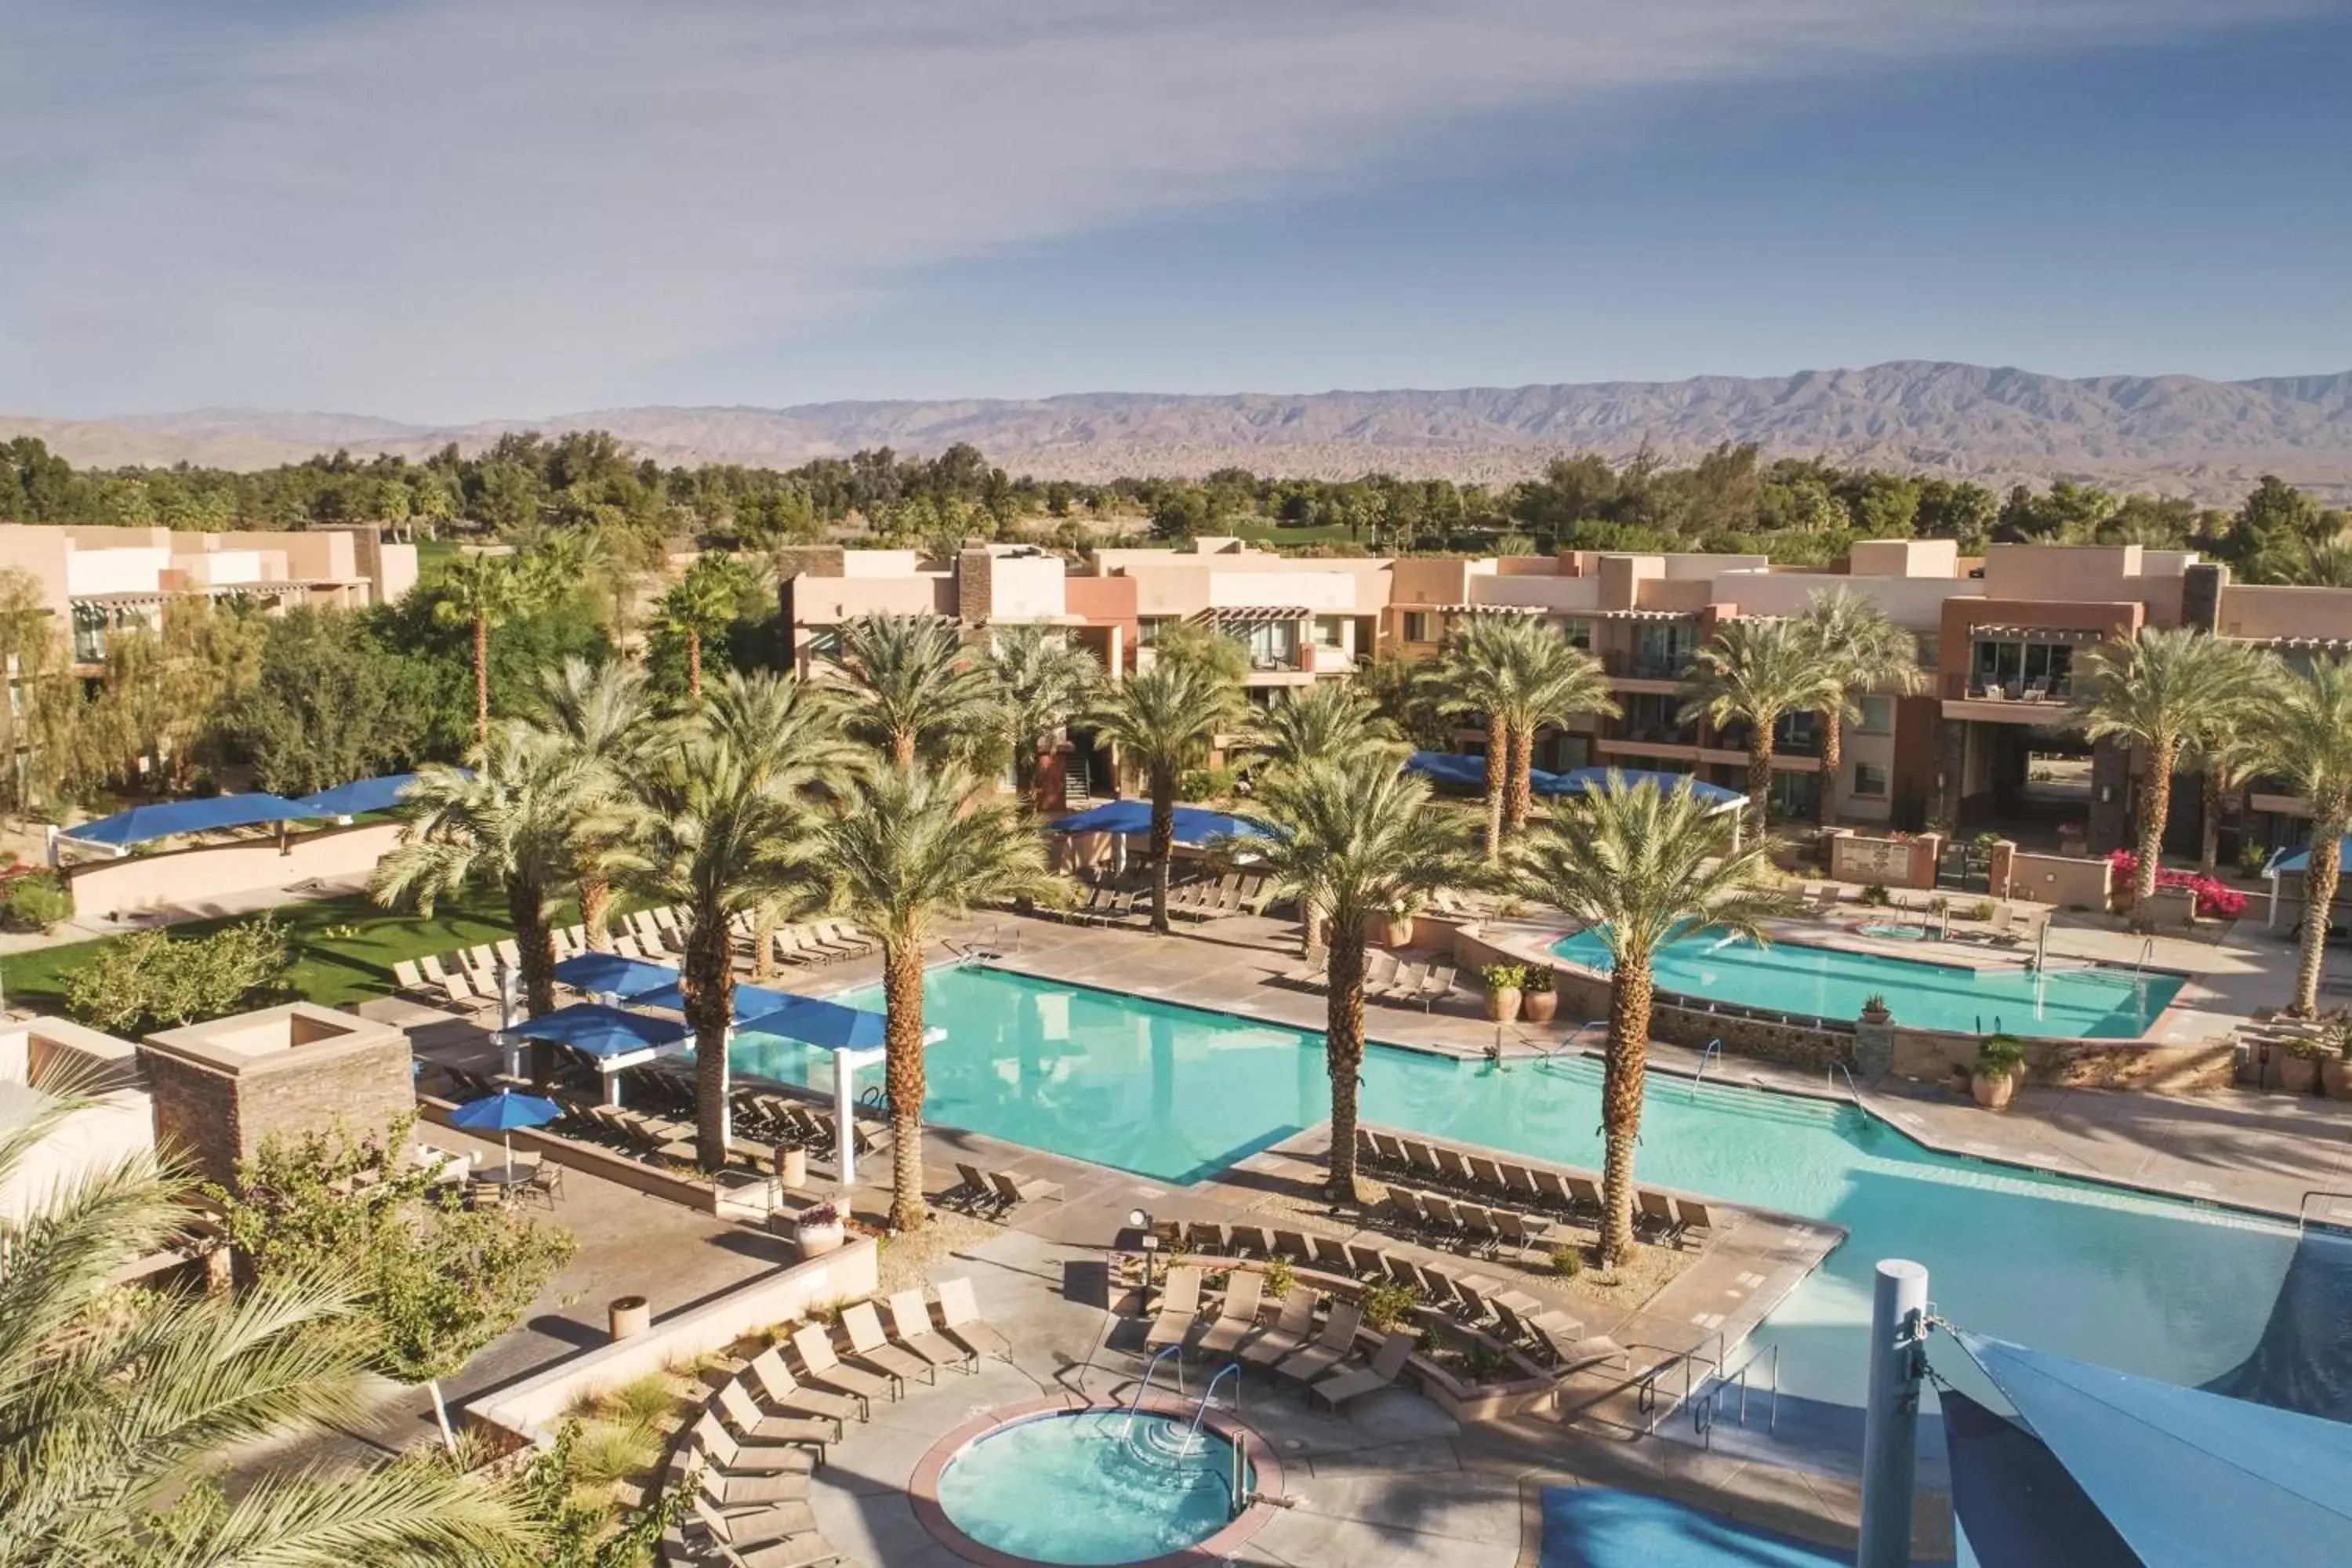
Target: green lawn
{"x":331,"y":969}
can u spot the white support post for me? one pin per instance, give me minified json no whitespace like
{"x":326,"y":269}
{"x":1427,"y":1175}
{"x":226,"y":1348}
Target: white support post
{"x":1890,"y":1433}
{"x":844,"y":1115}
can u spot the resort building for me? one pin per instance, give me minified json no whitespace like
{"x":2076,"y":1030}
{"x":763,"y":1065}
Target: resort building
{"x":97,"y":579}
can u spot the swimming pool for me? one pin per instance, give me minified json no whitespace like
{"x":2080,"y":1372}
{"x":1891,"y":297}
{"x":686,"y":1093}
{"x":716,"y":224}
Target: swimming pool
{"x":1175,"y":1093}
{"x":1825,"y":983}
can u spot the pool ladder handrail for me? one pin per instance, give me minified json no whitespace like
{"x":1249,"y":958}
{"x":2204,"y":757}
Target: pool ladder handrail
{"x":1645,"y":1401}
{"x":2146,"y":956}
{"x":1135,"y":1406}
{"x":1231,"y":1369}
{"x":1851,"y":1089}
{"x":1708,"y":1408}
{"x":1567,"y":1042}
{"x":1713,"y":1053}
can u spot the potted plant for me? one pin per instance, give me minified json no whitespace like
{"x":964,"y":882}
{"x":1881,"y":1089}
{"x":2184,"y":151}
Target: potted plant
{"x":818,"y":1231}
{"x":1504,"y":983}
{"x":1537,"y":999}
{"x":2299,"y":1067}
{"x":2336,"y":1068}
{"x":1874,"y":1009}
{"x":2001,"y":1062}
{"x":1400,"y":927}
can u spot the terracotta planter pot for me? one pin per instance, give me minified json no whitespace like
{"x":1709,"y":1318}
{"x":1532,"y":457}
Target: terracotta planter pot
{"x":1502,"y":1005}
{"x":1876,"y":1016}
{"x":1993,"y":1093}
{"x":2298,"y":1075}
{"x":817,"y":1240}
{"x":2335,"y":1078}
{"x":1539,"y":1006}
{"x":1401,"y":932}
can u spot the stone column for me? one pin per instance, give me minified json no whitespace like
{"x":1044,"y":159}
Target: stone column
{"x":2109,"y":827}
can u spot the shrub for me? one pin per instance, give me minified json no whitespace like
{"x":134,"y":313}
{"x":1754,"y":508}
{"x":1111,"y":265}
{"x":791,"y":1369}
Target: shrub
{"x":1999,"y":1056}
{"x":2216,"y":899}
{"x":1279,"y":1278}
{"x":1567,"y":1262}
{"x":156,"y":981}
{"x":1206,"y":784}
{"x":35,"y":902}
{"x":1504,"y":976}
{"x":2307,"y":1047}
{"x":1539,"y":980}
{"x":2252,"y":858}
{"x":1875,"y":897}
{"x":1982,"y":910}
{"x":1387,"y":1305}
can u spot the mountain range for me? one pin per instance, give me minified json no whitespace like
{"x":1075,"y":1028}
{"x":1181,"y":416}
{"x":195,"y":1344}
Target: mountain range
{"x":2178,"y":434}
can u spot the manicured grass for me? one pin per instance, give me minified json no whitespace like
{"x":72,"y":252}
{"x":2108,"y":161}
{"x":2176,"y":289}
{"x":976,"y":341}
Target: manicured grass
{"x":351,"y":964}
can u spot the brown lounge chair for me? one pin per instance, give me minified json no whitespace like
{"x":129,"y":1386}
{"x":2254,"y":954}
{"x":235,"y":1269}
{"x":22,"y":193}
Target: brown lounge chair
{"x":911,"y":1322}
{"x":741,"y":1490}
{"x":869,"y":1344}
{"x":1290,"y":1332}
{"x":781,"y":1390}
{"x":781,"y":1536}
{"x":1344,"y":1387}
{"x":731,"y":1455}
{"x":1012,"y":1191}
{"x":960,"y":1316}
{"x":1180,"y":1307}
{"x":1330,"y":1347}
{"x":830,"y":1371}
{"x":740,"y":1411}
{"x":1237,"y":1317}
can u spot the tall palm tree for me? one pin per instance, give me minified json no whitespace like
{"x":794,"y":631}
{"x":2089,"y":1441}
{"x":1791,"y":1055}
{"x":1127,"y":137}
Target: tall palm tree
{"x":915,"y":688}
{"x":484,"y":592}
{"x":603,"y":714}
{"x":115,"y":1404}
{"x":515,"y":821}
{"x":1042,"y":682}
{"x":1204,"y":647}
{"x":701,"y":604}
{"x":781,"y":723}
{"x":1642,"y":866}
{"x":1327,"y":723}
{"x":1865,"y":652}
{"x":1757,"y":672}
{"x":2303,"y":724}
{"x":1475,"y":677}
{"x":906,"y":851}
{"x":2229,"y":758}
{"x":1551,"y":681}
{"x":2157,"y":690}
{"x":1357,"y":840}
{"x":1165,"y":721}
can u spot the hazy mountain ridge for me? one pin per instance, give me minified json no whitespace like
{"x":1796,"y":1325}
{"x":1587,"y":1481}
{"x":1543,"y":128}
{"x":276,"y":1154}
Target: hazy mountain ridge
{"x":2176,"y":433}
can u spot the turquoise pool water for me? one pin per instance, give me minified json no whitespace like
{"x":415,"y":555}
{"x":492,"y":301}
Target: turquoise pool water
{"x":1824,"y":983}
{"x":1172,"y":1093}
{"x":1090,"y":1488}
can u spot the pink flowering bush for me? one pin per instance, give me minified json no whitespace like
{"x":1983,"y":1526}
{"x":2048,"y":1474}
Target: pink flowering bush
{"x":2215,"y":900}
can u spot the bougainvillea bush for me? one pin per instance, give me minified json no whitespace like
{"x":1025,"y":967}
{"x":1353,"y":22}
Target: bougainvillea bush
{"x":2216,"y":900}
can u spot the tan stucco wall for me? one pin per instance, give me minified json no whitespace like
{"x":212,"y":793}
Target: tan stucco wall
{"x":2265,"y":611}
{"x":189,"y":878}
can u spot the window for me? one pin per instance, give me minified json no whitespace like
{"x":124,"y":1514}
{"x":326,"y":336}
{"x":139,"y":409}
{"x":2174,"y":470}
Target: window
{"x":1662,"y":649}
{"x":1869,"y":782}
{"x":1273,"y":644}
{"x":1327,"y":631}
{"x":1930,"y":646}
{"x":1578,"y":632}
{"x":1147,"y":629}
{"x":1878,"y":715}
{"x":1418,"y":627}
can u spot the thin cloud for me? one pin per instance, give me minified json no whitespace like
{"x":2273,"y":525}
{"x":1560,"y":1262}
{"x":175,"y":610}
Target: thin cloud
{"x":455,"y":209}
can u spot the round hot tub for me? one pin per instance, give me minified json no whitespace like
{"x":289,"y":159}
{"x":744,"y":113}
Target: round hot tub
{"x":1098,"y":1486}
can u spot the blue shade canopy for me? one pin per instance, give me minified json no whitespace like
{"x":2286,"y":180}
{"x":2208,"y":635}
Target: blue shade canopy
{"x":1592,"y":780}
{"x":361,"y":795}
{"x":610,"y":973}
{"x":749,"y":999}
{"x":1446,"y":767}
{"x":2188,"y":1479}
{"x":601,"y":1032}
{"x":142,"y":822}
{"x":814,"y":1021}
{"x":1194,"y":825}
{"x":2298,"y":860}
{"x":2016,"y":1502}
{"x":504,"y":1111}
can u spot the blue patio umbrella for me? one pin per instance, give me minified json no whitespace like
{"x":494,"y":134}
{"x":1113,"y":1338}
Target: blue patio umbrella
{"x":609,"y":974}
{"x":503,"y":1112}
{"x":749,"y":999}
{"x":1194,"y":824}
{"x":816,"y":1022}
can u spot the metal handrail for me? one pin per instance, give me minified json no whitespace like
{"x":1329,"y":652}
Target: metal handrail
{"x":1713,"y":1053}
{"x":1646,"y":1398}
{"x":1710,"y":1399}
{"x":1851,"y":1087}
{"x":2303,"y":1208}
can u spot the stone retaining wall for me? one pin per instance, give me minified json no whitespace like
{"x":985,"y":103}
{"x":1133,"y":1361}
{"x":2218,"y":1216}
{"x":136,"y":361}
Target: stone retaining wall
{"x":1938,"y":1054}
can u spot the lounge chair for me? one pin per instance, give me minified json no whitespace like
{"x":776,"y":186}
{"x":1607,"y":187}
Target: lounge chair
{"x":1485,"y":1174}
{"x":1437,"y":1287}
{"x":1389,"y":1150}
{"x":1584,"y":1193}
{"x":780,"y":1536}
{"x":1204,"y":1236}
{"x":869,"y":1346}
{"x":740,"y":1491}
{"x":1519,"y":1180}
{"x":1422,"y":1156}
{"x":1551,"y":1189}
{"x":1404,"y":1210}
{"x":727,"y":1454}
{"x":974,"y":1192}
{"x":1379,"y":970}
{"x":1292,"y":1244}
{"x":1479,"y":1226}
{"x":1367,"y":1262}
{"x":959,"y":1317}
{"x":780,"y":1389}
{"x":1015,"y":1191}
{"x":1236,"y":1316}
{"x":1331,"y":1252}
{"x":1692,"y":1221}
{"x":1311,"y":973}
{"x":1330,"y":1347}
{"x":1521,"y":1231}
{"x":910,"y":1321}
{"x":510,"y":952}
{"x":406,"y":976}
{"x":1403,"y":986}
{"x":829,"y":1370}
{"x":1656,"y":1211}
{"x":740,"y":1411}
{"x":1477,"y":1291}
{"x":1438,"y":987}
{"x":1453,"y":1166}
{"x":750,"y":1527}
{"x":1571,"y":1353}
{"x":1342,"y":1388}
{"x":1248,"y":1241}
{"x":1291,"y":1329}
{"x":1445,"y":1220}
{"x":1402,"y":1270}
{"x":1179,"y":1306}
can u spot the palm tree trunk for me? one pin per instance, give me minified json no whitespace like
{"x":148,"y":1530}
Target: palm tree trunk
{"x":1025,"y":772}
{"x":1621,"y":1101}
{"x":709,"y":981}
{"x":902,"y":750}
{"x":535,"y":940}
{"x":1833,"y":723}
{"x":902,"y":1038}
{"x":693,"y":664}
{"x":1759,"y":779}
{"x":482,"y":678}
{"x":2319,"y":881}
{"x":1522,"y":759}
{"x":2209,"y":847}
{"x":1163,"y":843}
{"x":2154,"y":807}
{"x":1498,"y":767}
{"x":1343,"y":1049}
{"x":596,"y":910}
{"x":764,"y":946}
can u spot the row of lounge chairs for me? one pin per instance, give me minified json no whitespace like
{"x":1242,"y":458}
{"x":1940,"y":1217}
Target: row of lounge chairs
{"x":1387,"y":979}
{"x":1291,"y":1345}
{"x":1449,"y":1222}
{"x":996,"y":1192}
{"x":767,"y":1429}
{"x":1667,"y":1218}
{"x":780,"y":1119}
{"x":1206,"y":898}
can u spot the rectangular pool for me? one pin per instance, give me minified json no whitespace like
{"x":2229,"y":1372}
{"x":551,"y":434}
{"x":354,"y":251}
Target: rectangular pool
{"x":1828,"y":982}
{"x":1175,"y":1093}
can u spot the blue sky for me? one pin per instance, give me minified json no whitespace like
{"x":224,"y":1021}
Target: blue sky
{"x":444,"y":211}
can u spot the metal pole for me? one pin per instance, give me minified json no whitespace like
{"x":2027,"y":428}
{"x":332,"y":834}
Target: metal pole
{"x":844,"y":1115}
{"x":1890,"y":1433}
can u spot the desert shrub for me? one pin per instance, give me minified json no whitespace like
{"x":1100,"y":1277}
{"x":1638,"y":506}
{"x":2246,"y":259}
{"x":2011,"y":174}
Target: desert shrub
{"x":1875,"y":897}
{"x":1567,"y":1262}
{"x":35,"y":902}
{"x":1386,"y":1305}
{"x":156,"y":981}
{"x":1280,"y":1275}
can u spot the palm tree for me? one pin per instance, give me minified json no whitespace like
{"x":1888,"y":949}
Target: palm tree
{"x":1357,"y":840}
{"x":2229,"y":758}
{"x":2303,"y":724}
{"x":1757,"y":673}
{"x":115,"y":1405}
{"x":1865,"y":652}
{"x":1042,"y":682}
{"x":1165,"y":721}
{"x":2157,"y":690}
{"x":1475,"y":677}
{"x":603,"y":714}
{"x":1327,"y":723}
{"x":1551,"y":681}
{"x":702,"y":604}
{"x":781,"y":723}
{"x":517,"y":821}
{"x":1203,"y":647}
{"x":485,"y":591}
{"x":916,"y":688}
{"x":1642,"y":867}
{"x":907,"y":851}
